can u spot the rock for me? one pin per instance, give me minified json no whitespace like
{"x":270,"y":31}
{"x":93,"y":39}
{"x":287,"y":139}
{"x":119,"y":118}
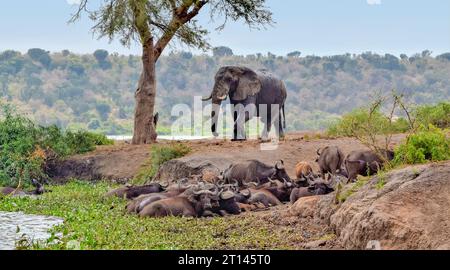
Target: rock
{"x":411,"y":211}
{"x":189,"y":166}
{"x":304,"y":207}
{"x":315,"y":244}
{"x":373,"y":245}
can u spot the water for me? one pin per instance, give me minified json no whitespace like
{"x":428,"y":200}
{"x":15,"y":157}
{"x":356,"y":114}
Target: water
{"x":33,"y":226}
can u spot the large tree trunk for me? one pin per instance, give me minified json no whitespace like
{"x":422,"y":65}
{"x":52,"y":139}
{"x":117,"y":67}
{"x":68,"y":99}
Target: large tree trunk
{"x":144,"y":127}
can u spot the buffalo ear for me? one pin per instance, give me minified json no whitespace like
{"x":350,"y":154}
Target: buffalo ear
{"x":248,"y":85}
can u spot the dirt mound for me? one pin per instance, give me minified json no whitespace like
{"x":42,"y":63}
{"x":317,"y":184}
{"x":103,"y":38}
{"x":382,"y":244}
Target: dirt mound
{"x":118,"y":163}
{"x":410,"y":211}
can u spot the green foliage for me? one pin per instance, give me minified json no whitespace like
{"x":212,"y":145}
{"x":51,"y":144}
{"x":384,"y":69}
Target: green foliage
{"x":430,"y":144}
{"x":159,"y":155}
{"x":381,"y":175}
{"x":25,"y":147}
{"x":356,"y":122}
{"x":100,"y":224}
{"x":438,"y":115}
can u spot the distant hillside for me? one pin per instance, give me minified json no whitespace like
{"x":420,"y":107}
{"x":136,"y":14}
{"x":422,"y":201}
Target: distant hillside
{"x":96,"y":91}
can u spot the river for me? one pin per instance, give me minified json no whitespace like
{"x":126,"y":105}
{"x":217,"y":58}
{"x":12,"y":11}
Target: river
{"x":15,"y":224}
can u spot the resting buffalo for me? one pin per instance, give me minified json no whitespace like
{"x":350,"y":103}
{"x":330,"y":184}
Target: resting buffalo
{"x":281,"y":190}
{"x":264,"y":197}
{"x":132,"y":192}
{"x":227,"y":204}
{"x":39,"y":189}
{"x":330,"y":161}
{"x":303,"y":169}
{"x":255,"y":171}
{"x":366,"y":163}
{"x":136,"y":205}
{"x":190,"y":204}
{"x":319,"y":188}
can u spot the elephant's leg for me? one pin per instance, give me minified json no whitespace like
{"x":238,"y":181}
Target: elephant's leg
{"x":281,"y":127}
{"x":277,"y":125}
{"x":240,"y":123}
{"x":267,"y":120}
{"x":235,"y":127}
{"x":266,"y":131}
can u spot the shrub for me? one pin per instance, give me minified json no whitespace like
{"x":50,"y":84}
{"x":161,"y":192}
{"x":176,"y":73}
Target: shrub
{"x":159,"y":155}
{"x":438,"y":115}
{"x":26,"y":147}
{"x":429,"y":144}
{"x":356,"y":122}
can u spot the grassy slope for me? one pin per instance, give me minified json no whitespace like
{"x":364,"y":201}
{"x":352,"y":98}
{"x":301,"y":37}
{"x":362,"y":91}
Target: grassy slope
{"x":99,"y":223}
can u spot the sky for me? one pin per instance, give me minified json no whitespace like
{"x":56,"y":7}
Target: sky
{"x":314,"y":27}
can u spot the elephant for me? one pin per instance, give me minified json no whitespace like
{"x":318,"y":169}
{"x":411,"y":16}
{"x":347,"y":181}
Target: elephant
{"x":250,"y":93}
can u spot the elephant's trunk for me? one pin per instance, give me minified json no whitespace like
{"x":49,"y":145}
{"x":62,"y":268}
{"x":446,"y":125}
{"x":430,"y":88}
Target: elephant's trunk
{"x":215,"y":118}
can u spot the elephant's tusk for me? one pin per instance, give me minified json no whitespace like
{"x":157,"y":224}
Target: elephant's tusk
{"x":207,"y":98}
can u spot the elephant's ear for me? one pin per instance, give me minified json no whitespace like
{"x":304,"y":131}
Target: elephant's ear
{"x":248,"y":85}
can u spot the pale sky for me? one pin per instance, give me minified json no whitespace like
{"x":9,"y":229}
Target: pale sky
{"x":319,"y":27}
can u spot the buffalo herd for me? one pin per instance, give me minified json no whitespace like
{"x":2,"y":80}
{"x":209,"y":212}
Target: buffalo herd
{"x":250,"y":185}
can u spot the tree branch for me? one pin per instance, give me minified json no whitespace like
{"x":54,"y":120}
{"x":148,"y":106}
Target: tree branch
{"x":180,"y":17}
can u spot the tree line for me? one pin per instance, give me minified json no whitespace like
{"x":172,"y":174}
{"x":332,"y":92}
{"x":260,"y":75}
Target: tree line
{"x":96,"y":91}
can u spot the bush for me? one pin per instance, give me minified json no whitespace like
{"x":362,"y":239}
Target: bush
{"x":160,"y":154}
{"x":356,"y":122}
{"x":429,"y":144}
{"x":25,"y":147}
{"x":438,"y":115}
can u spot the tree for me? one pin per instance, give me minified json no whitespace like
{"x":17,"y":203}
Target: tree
{"x":65,"y":53}
{"x":154,"y":24}
{"x":295,"y":54}
{"x":444,"y":56}
{"x":101,"y":55}
{"x":222,"y":51}
{"x":40,"y":56}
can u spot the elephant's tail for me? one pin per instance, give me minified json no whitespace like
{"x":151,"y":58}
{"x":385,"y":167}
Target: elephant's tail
{"x":284,"y":118}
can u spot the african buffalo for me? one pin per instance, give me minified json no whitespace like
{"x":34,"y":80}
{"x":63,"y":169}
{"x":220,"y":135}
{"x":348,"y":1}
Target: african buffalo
{"x":9,"y":191}
{"x":303,"y":169}
{"x":255,"y":171}
{"x":366,"y":162}
{"x":136,"y":205}
{"x":281,"y":190}
{"x":319,"y":188}
{"x":132,"y":192}
{"x":190,"y":204}
{"x":330,"y":161}
{"x":263,"y":196}
{"x":227,"y":204}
